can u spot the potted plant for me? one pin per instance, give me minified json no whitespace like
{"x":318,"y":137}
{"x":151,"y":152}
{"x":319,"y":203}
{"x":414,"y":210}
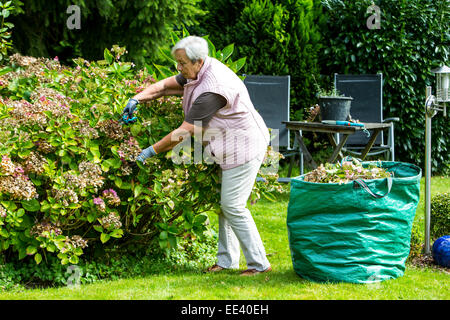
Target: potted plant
{"x":333,"y":104}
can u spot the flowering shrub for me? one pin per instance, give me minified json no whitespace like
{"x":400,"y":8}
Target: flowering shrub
{"x":345,"y":172}
{"x":67,"y":183}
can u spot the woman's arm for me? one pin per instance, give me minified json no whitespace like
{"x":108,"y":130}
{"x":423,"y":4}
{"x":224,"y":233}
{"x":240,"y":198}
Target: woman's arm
{"x":165,"y":87}
{"x":176,"y":136}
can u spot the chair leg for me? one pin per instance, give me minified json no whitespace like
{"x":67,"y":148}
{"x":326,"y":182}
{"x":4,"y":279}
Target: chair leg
{"x":300,"y":161}
{"x":391,"y":141}
{"x":291,"y":164}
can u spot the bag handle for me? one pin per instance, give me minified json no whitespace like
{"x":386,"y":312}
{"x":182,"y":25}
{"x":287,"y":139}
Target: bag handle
{"x":365,"y":187}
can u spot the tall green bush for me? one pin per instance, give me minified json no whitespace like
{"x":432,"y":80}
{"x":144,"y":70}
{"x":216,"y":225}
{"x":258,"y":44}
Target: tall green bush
{"x":277,"y":37}
{"x":413,"y":38}
{"x":440,"y":215}
{"x":7,"y":8}
{"x":140,"y":26}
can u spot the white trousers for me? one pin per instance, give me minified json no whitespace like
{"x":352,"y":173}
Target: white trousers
{"x":236,"y":225}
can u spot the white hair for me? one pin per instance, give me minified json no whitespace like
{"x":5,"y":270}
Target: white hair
{"x":196,"y":47}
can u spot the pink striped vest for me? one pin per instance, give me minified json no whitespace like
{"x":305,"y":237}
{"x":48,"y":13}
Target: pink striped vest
{"x":237,"y":132}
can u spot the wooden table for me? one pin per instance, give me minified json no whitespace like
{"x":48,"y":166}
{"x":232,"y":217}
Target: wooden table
{"x":331,"y":129}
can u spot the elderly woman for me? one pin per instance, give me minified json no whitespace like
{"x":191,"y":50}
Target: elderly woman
{"x":215,"y":99}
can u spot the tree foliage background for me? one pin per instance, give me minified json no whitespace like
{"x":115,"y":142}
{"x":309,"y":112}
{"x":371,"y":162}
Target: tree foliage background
{"x":140,"y":26}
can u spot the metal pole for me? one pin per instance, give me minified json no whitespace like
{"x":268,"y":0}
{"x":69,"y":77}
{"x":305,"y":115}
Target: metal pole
{"x":428,"y":116}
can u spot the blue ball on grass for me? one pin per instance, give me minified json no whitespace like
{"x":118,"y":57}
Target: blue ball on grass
{"x":441,"y":251}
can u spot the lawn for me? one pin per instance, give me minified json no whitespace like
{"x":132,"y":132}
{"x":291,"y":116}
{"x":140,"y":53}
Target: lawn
{"x":425,"y":283}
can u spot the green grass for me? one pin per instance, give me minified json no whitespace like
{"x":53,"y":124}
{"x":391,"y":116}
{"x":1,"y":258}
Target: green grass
{"x":283,"y":283}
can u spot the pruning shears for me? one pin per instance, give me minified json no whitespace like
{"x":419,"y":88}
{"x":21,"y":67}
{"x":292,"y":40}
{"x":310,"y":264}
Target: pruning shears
{"x":343,"y":123}
{"x":127,"y":120}
{"x":348,"y":123}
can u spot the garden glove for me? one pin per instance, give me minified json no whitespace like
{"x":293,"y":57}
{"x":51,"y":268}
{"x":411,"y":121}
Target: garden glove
{"x":130,"y":107}
{"x":146,"y":153}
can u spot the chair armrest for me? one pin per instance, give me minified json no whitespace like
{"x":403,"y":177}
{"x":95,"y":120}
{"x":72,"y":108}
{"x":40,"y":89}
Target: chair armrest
{"x":391,"y":119}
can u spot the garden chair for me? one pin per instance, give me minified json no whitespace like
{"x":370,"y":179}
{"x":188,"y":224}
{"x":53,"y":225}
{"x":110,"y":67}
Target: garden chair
{"x":367,"y":106}
{"x":271,"y":97}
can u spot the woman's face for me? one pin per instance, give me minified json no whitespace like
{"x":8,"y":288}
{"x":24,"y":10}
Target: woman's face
{"x":185,"y":66}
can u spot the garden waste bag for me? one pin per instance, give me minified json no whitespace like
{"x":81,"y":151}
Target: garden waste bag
{"x":357,"y":232}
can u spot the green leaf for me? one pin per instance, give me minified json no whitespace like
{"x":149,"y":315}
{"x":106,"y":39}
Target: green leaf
{"x":174,"y":37}
{"x":36,"y":182}
{"x":108,"y":56}
{"x":117,"y":233}
{"x":167,"y":54}
{"x":22,"y":253}
{"x":31,"y":250}
{"x":98,"y":228}
{"x":4,"y":233}
{"x":137,"y":190}
{"x":104,"y":237}
{"x":200,"y":220}
{"x":31,"y":205}
{"x":24,"y":153}
{"x":172,"y":229}
{"x":20,"y":212}
{"x":91,"y":218}
{"x":5,"y":13}
{"x":38,"y":258}
{"x":111,"y":162}
{"x":135,"y":129}
{"x":157,"y":187}
{"x":164,"y":71}
{"x":27,"y":145}
{"x":227,"y":52}
{"x":45,"y":206}
{"x":269,"y":196}
{"x":211,"y":47}
{"x":73,"y":259}
{"x":163,"y":243}
{"x":163,"y":235}
{"x":51,"y":247}
{"x":172,"y":241}
{"x":240,"y":63}
{"x":5,"y":70}
{"x":118,"y":182}
{"x":116,"y":163}
{"x":10,"y":205}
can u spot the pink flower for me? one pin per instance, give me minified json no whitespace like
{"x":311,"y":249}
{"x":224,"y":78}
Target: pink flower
{"x":112,"y":191}
{"x":56,"y":58}
{"x":98,"y":201}
{"x":19,"y":170}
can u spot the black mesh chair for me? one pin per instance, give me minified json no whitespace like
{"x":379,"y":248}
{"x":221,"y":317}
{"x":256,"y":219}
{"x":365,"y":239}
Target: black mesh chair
{"x":271,"y":97}
{"x":367,"y":106}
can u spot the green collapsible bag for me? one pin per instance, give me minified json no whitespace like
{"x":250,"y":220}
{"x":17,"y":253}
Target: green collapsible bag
{"x":357,"y":232}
